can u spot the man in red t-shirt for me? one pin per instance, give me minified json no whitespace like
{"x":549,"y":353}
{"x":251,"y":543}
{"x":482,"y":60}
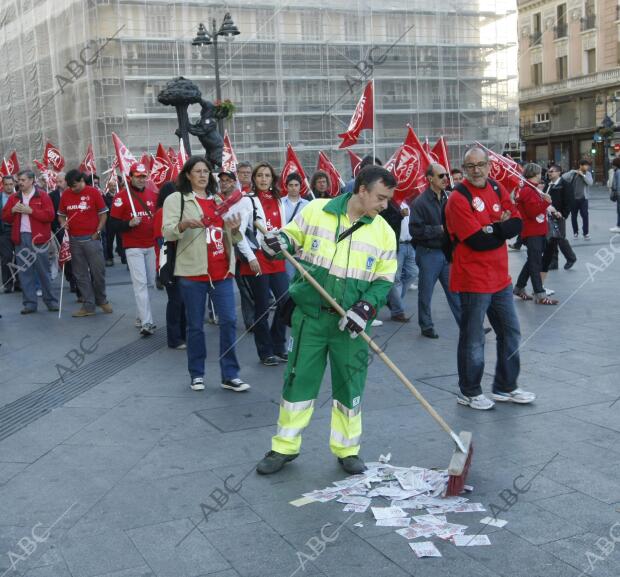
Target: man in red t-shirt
{"x":83,"y":213}
{"x":480,"y":217}
{"x":132,"y":215}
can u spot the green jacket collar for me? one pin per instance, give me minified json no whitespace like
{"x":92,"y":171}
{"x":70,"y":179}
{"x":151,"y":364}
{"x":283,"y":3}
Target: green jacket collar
{"x":338,"y":205}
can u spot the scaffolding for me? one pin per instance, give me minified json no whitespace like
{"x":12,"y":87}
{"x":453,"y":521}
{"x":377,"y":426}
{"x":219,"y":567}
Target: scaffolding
{"x":78,"y":70}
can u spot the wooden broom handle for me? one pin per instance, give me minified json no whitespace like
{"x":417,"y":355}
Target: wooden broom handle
{"x":374,"y":346}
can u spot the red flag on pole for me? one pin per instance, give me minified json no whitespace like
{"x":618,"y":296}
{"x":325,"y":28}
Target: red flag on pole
{"x":88,"y":164}
{"x":124,"y":158}
{"x":335,"y":181}
{"x":503,"y":170}
{"x":64,"y":253}
{"x":161,"y":169}
{"x":40,"y":165}
{"x":147,"y":160}
{"x":362,"y":118}
{"x":355,"y":162}
{"x":10,"y":166}
{"x":229,"y":158}
{"x":439,"y":153}
{"x":409,"y":167}
{"x":292,"y":164}
{"x":52,"y":157}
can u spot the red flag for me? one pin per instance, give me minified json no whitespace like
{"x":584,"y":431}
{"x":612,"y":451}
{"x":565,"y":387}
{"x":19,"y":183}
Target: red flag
{"x":40,"y":165}
{"x":52,"y":157}
{"x":503,"y":171}
{"x":229,"y":158}
{"x":124,"y":158}
{"x":88,"y":164}
{"x":355,"y":162}
{"x":335,"y":182}
{"x":439,"y":153}
{"x":409,"y":168}
{"x":292,"y":164}
{"x":147,"y":160}
{"x":10,"y":166}
{"x":161,"y":169}
{"x":362,"y":118}
{"x":64,"y":253}
{"x":50,"y":178}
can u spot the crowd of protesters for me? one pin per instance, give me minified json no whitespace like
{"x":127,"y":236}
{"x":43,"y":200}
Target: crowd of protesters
{"x":217,"y":255}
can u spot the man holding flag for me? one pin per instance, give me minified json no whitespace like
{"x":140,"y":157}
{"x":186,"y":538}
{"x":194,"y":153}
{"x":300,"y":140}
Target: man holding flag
{"x":83,"y":213}
{"x":132,"y":216}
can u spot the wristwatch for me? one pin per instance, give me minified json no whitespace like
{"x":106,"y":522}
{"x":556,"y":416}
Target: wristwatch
{"x":488,"y":229}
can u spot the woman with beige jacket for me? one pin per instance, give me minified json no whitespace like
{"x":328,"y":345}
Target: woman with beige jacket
{"x":205,"y":264}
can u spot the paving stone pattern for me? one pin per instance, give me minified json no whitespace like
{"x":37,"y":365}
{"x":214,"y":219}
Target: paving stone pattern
{"x":138,"y":476}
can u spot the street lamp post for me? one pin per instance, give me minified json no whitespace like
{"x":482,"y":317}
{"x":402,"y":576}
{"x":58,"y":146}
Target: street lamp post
{"x":205,"y":37}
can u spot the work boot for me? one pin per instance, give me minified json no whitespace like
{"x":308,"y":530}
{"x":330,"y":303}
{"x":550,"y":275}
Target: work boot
{"x":352,"y":464}
{"x":272,"y":462}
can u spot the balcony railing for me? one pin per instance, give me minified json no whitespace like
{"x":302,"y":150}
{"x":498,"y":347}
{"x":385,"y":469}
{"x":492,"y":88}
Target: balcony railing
{"x":535,"y":39}
{"x":572,"y":85}
{"x":588,"y":22}
{"x":560,"y":31}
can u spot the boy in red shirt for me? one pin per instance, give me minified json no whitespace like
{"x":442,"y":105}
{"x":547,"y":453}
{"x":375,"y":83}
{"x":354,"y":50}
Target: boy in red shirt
{"x":132,"y":215}
{"x":480,"y":226}
{"x":83,"y":213}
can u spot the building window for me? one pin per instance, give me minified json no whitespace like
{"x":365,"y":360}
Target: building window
{"x":266,"y":24}
{"x":561,"y":28}
{"x":591,"y":61}
{"x":561,"y":67}
{"x":311,"y":28}
{"x":536,"y":29}
{"x":541,"y":117}
{"x":537,"y":74}
{"x":352,"y":27}
{"x":589,"y":21}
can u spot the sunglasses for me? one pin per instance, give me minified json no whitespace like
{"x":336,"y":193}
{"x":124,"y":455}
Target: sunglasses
{"x":442,"y":175}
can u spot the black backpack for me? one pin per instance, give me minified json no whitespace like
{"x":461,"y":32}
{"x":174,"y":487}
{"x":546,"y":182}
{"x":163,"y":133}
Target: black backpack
{"x":448,"y":243}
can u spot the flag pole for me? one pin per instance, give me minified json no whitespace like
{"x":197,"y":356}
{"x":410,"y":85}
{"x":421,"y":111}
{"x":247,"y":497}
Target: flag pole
{"x":374,"y":123}
{"x":62,"y":286}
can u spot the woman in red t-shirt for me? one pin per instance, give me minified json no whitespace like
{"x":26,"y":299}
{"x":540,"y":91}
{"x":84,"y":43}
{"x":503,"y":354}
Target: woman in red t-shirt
{"x":175,"y":309}
{"x":266,"y":276}
{"x":533,"y":204}
{"x":204,"y":265}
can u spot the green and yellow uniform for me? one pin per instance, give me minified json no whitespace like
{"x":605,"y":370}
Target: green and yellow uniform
{"x":359,"y":267}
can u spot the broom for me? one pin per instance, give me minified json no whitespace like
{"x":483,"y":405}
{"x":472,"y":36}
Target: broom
{"x":461,"y":458}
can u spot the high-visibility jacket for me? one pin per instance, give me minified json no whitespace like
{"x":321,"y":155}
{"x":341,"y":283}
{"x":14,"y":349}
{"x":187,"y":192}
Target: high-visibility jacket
{"x":362,"y":266}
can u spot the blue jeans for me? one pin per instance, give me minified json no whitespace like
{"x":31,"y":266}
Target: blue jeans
{"x":618,"y":212}
{"x":34,"y":264}
{"x":406,"y":272}
{"x":194,"y":295}
{"x":175,"y":316}
{"x":580,"y":207}
{"x":433,"y":267}
{"x":500,"y":309}
{"x":269,"y":341}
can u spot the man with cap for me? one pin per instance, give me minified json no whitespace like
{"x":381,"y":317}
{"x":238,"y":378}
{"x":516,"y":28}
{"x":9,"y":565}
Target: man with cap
{"x":132,"y":215}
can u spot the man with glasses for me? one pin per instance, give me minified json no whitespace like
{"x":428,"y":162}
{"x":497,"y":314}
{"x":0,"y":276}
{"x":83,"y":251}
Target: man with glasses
{"x":480,"y":217}
{"x":132,"y":216}
{"x":83,"y":213}
{"x":427,"y":233}
{"x":31,"y":212}
{"x":562,"y":200}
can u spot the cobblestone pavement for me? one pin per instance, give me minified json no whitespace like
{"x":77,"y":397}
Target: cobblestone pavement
{"x":111,"y":466}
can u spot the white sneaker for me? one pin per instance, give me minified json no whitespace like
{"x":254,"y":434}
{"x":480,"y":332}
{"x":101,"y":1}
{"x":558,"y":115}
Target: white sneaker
{"x":413,"y":287}
{"x":516,"y":396}
{"x":376,"y":323}
{"x":197,"y":384}
{"x":235,"y":385}
{"x":480,"y":402}
{"x":39,"y":293}
{"x":549,"y":291}
{"x":614,"y":229}
{"x":147,"y":330}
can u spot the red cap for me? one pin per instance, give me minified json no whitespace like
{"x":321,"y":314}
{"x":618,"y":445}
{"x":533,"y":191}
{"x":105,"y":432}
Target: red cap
{"x":138,"y":169}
